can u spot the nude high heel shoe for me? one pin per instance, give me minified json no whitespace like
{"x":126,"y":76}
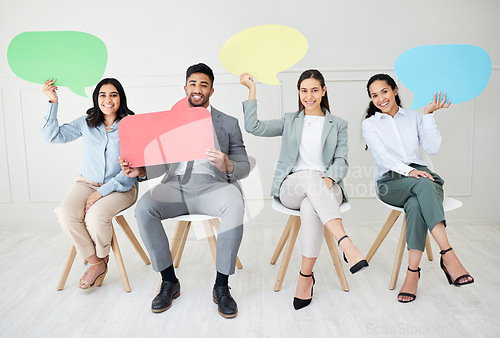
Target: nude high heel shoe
{"x":99,"y":279}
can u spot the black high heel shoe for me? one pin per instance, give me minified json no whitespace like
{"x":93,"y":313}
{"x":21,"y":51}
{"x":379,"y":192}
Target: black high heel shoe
{"x":359,"y":265}
{"x":413,"y":297}
{"x":300,"y":303}
{"x":448,"y":276}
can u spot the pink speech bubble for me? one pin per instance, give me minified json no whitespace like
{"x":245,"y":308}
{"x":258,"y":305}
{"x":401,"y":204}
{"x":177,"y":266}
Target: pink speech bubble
{"x":180,"y":134}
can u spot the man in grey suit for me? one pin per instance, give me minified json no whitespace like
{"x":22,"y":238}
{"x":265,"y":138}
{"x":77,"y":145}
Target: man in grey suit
{"x":206,"y":186}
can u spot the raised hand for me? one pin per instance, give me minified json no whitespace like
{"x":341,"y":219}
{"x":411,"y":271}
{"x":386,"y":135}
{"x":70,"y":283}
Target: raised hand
{"x":247,"y":81}
{"x":50,"y":90}
{"x":436,"y":103}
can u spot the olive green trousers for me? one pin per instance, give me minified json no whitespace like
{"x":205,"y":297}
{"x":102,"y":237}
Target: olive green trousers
{"x":422,"y":200}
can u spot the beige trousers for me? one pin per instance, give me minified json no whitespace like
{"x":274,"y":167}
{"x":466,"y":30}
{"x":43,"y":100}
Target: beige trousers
{"x":90,"y":232}
{"x":305,"y":190}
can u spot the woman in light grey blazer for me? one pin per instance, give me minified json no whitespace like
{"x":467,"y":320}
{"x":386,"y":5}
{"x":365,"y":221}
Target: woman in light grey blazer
{"x":310,"y":170}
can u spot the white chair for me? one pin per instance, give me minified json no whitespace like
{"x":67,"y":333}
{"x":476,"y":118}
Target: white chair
{"x":210,"y":223}
{"x":120,"y":219}
{"x":448,"y":205}
{"x":289,"y":236}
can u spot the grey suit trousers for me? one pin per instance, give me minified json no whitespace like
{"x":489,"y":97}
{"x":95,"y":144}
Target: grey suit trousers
{"x":202,"y":194}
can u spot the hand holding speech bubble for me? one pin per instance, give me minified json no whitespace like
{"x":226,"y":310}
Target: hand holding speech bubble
{"x":75,"y":59}
{"x":462,"y":71}
{"x":181,"y":134}
{"x":263,"y":51}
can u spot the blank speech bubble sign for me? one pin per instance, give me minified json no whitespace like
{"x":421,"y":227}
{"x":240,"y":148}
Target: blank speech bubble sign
{"x":263,"y":51}
{"x":462,"y":71}
{"x":180,"y":134}
{"x":75,"y":59}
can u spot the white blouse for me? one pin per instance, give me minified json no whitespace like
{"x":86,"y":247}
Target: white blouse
{"x":310,"y":149}
{"x":395,"y":142}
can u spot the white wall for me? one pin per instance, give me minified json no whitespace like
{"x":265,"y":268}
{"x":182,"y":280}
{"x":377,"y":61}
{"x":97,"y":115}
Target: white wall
{"x":151,"y":43}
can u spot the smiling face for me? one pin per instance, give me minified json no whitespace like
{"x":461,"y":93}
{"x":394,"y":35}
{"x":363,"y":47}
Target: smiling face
{"x":384,"y":97}
{"x":311,"y":93}
{"x":198,"y":89}
{"x":108,"y":100}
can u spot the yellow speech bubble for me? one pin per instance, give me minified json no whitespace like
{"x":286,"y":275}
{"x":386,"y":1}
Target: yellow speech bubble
{"x":263,"y":51}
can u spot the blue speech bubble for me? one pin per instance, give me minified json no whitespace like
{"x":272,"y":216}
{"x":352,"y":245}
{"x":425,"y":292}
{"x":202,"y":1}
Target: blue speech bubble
{"x":462,"y":71}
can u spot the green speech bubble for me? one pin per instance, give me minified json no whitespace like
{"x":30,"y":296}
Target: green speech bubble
{"x":75,"y":59}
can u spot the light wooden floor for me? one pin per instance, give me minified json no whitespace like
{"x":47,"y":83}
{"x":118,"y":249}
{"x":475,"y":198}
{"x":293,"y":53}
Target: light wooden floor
{"x":30,"y":306}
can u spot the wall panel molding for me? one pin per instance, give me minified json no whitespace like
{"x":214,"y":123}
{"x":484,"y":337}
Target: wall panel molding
{"x":5,"y":185}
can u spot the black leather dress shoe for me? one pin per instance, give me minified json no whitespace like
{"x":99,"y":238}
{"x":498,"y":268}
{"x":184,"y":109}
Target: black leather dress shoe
{"x":168,"y":292}
{"x":227,"y":305}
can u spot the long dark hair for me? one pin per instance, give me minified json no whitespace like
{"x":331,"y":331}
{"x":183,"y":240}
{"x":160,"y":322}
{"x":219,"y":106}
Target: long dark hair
{"x":95,"y":116}
{"x":380,"y":77}
{"x":313,"y":74}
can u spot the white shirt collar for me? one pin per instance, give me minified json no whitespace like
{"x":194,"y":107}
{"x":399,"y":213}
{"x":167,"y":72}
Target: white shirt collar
{"x":379,"y":115}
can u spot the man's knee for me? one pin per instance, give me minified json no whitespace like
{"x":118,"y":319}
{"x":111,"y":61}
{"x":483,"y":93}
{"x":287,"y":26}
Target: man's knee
{"x":144,"y":207}
{"x":234,"y":207}
{"x":233,"y":201}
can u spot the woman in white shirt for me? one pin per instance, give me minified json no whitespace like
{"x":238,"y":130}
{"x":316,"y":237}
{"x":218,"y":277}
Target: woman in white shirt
{"x":100,"y":190}
{"x":310,"y":170}
{"x":394,"y":137}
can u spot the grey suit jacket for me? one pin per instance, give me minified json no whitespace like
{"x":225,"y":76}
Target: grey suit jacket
{"x":228,"y":139}
{"x":333,"y":138}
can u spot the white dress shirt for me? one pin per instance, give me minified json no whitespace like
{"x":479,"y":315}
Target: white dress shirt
{"x":395,"y":142}
{"x":199,"y":166}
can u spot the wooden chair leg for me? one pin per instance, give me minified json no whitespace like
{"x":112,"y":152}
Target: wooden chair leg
{"x":212,"y":242}
{"x":131,"y":237}
{"x":119,"y":261}
{"x":332,"y":247}
{"x":428,"y":248}
{"x":176,"y":238}
{"x":393,"y":216}
{"x":238,"y":263}
{"x":67,"y":267}
{"x":216,"y":224}
{"x":399,"y":256}
{"x":183,"y":227}
{"x":294,"y":231}
{"x":282,"y":241}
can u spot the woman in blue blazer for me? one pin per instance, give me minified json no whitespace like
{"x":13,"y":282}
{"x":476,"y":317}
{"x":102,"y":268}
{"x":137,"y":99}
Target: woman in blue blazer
{"x":310,"y":170}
